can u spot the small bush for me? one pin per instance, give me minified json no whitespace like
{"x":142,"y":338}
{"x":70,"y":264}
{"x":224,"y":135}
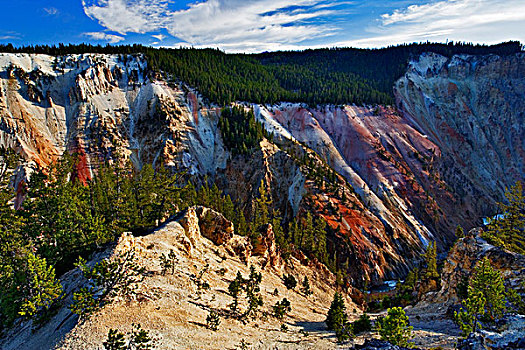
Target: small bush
{"x":289,"y":281}
{"x":213,"y":321}
{"x":281,"y":308}
{"x":363,"y":324}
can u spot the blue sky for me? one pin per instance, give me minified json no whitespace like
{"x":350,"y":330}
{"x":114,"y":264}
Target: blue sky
{"x":261,"y":25}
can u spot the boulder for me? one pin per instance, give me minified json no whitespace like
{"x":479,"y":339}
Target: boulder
{"x":214,"y":225}
{"x":267,"y":248}
{"x":375,"y":344}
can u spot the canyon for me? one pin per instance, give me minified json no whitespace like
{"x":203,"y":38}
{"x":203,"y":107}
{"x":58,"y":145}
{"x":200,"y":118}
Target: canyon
{"x":405,"y":176}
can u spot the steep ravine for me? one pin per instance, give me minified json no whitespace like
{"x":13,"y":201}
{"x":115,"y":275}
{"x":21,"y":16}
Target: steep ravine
{"x":473,"y":108}
{"x":403,"y":180}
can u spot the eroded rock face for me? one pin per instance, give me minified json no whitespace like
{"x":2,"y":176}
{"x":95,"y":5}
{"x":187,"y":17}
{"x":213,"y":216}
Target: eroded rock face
{"x":98,"y":105}
{"x":511,"y":337}
{"x":472,"y":108}
{"x":214,"y":226}
{"x":466,"y":254}
{"x":267,"y":249}
{"x":394,"y":204}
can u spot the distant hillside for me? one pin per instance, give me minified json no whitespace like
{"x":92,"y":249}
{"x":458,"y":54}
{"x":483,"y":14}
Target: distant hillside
{"x":323,"y":76}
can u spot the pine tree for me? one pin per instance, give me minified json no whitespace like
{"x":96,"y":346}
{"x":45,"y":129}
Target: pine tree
{"x":305,"y":288}
{"x":234,"y":288}
{"x":431,"y":261}
{"x":467,"y":319}
{"x":289,"y":281}
{"x":336,"y":319}
{"x":395,"y":327}
{"x":262,"y":205}
{"x":320,"y":237}
{"x":507,"y":231}
{"x":490,"y":283}
{"x":33,"y":288}
{"x":213,"y":321}
{"x":242,"y":226}
{"x":281,"y":308}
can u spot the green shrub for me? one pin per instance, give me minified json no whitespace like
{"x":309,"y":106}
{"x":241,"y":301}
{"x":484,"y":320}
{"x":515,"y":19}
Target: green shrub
{"x":290,"y":282}
{"x":213,"y":321}
{"x":363,"y":324}
{"x":281,"y":308}
{"x":395,"y":328}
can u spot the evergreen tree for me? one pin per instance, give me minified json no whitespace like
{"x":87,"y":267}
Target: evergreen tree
{"x":281,"y":308}
{"x":305,"y":288}
{"x":30,"y":288}
{"x":234,"y":288}
{"x":508,"y":230}
{"x":336,"y":319}
{"x":485,"y":298}
{"x":320,"y":236}
{"x":213,"y":321}
{"x":138,"y":339}
{"x":431,"y":261}
{"x":489,"y":282}
{"x":111,"y":278}
{"x":289,"y":281}
{"x":395,"y":327}
{"x":467,"y":319}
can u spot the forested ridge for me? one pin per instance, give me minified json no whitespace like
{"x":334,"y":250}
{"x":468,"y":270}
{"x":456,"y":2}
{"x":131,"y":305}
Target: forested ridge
{"x":63,"y":218}
{"x":321,"y":76}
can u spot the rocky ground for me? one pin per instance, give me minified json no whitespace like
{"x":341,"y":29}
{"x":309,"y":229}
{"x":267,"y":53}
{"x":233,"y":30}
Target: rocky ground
{"x":174,"y":310}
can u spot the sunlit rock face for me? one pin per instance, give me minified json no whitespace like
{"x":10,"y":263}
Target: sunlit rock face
{"x":404,"y":177}
{"x":473,"y":108}
{"x":100,"y":106}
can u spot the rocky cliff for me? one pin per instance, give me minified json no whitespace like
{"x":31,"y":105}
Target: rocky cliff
{"x":402,"y":181}
{"x":173,"y":308}
{"x":466,"y":254}
{"x":472,"y":107}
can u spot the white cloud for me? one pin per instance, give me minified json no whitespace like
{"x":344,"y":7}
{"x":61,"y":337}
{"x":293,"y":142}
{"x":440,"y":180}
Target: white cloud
{"x":124,"y":16}
{"x":159,"y":37}
{"x":112,"y":38}
{"x":479,"y":21}
{"x":260,"y":25}
{"x":235,"y":25}
{"x":10,"y":35}
{"x":51,"y":11}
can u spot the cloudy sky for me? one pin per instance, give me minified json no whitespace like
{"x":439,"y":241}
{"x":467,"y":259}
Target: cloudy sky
{"x":261,"y":25}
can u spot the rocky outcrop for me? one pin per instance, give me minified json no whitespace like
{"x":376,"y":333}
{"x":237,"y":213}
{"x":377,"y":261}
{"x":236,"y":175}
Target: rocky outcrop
{"x":214,"y":226}
{"x":375,"y":344}
{"x":173,"y":307}
{"x":472,"y":108}
{"x":267,"y":249}
{"x":465,"y":255}
{"x":511,"y":337}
